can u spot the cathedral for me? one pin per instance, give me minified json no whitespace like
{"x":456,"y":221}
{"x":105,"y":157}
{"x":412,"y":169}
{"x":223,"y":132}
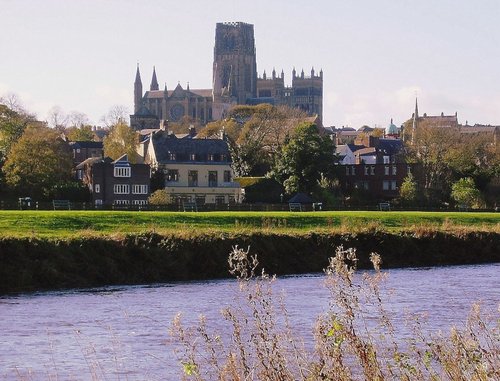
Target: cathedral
{"x":235,"y":82}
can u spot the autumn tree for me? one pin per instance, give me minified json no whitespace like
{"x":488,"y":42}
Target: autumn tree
{"x":255,"y":135}
{"x":38,"y":161}
{"x":121,"y":140}
{"x":408,"y":190}
{"x":304,"y":159}
{"x":80,"y":134}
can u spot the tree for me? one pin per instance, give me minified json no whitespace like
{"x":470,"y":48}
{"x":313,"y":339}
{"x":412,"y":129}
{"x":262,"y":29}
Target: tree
{"x":255,"y":135}
{"x":38,"y":161}
{"x":465,"y":193}
{"x":80,"y":134}
{"x":408,"y":190}
{"x":122,"y":139}
{"x":57,"y":118}
{"x":303,"y":159}
{"x":430,"y":149}
{"x":116,"y":114}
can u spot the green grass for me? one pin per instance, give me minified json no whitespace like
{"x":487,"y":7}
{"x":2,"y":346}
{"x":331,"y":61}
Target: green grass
{"x":59,"y":224}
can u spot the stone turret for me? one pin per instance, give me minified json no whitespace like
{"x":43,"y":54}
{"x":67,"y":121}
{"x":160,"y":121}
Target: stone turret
{"x":137,"y":90}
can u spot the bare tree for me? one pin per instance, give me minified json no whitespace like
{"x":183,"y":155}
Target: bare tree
{"x":116,"y":114}
{"x":12,"y":101}
{"x":77,"y":119}
{"x":57,"y":118}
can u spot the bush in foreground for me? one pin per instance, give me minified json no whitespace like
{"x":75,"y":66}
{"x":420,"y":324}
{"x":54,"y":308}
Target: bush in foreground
{"x":262,"y":344}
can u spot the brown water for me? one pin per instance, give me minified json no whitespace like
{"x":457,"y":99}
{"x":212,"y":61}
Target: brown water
{"x":121,"y":333}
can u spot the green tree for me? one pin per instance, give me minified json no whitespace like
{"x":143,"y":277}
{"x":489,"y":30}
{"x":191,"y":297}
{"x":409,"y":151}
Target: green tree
{"x":121,"y":140}
{"x":12,"y":125}
{"x":408,"y":190}
{"x":465,"y":193}
{"x":303,"y":159}
{"x":38,"y":161}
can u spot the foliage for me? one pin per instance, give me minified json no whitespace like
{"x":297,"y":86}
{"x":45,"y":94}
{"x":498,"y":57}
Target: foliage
{"x":37,"y":161}
{"x":328,"y":191}
{"x":80,"y":134}
{"x":303,"y":159}
{"x":430,"y":149}
{"x":465,"y":193}
{"x":255,"y":135}
{"x":263,"y":190}
{"x":12,"y":125}
{"x":159,"y":197}
{"x":408,"y":190}
{"x":157,"y":180}
{"x":355,"y":338}
{"x":184,"y":124}
{"x":70,"y":190}
{"x":121,"y":140}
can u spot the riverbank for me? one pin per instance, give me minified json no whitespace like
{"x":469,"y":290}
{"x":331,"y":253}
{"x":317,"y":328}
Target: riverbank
{"x":41,"y":263}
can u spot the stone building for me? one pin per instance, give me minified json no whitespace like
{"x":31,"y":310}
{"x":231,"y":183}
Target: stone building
{"x":235,"y":82}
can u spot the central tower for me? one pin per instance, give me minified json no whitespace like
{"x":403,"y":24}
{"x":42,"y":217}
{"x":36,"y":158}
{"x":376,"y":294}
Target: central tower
{"x":235,"y":64}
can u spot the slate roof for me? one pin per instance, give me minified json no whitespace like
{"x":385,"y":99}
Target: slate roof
{"x":301,"y":198}
{"x":155,"y":94}
{"x":86,"y":144}
{"x":165,"y":144}
{"x":390,"y":146}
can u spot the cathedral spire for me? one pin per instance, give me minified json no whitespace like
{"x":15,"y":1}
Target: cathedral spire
{"x":137,"y":90}
{"x":154,"y":81}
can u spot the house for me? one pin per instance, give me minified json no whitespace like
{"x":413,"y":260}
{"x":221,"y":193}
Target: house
{"x":117,"y":182}
{"x":195,"y":170}
{"x":375,"y":167}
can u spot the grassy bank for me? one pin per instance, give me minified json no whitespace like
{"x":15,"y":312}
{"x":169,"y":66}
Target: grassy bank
{"x":40,"y":263}
{"x":65,"y":224}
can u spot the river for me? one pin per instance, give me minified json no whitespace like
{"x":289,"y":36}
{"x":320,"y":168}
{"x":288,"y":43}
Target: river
{"x":121,"y":333}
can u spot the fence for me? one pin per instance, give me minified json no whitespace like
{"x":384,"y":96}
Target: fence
{"x":245,"y":207}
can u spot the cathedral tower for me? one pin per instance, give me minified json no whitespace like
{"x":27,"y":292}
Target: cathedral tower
{"x":235,"y":66}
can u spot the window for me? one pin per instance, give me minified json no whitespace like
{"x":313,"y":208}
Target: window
{"x":372,"y":170}
{"x":98,"y":201}
{"x":353,"y":171}
{"x":394,"y":185}
{"x":192,"y":178}
{"x":122,"y":172}
{"x":227,"y":176}
{"x":139,"y":189}
{"x":408,"y":169}
{"x":386,"y":159}
{"x":223,"y":158}
{"x":212,"y":178}
{"x":347,"y":171}
{"x":385,"y":185}
{"x":394,"y":169}
{"x":172,"y":175}
{"x":192,"y":157}
{"x":121,"y":202}
{"x":78,"y":150}
{"x":97,"y":188}
{"x":210,"y":157}
{"x":121,"y":189}
{"x":171,"y":156}
{"x":366,"y":170}
{"x":139,"y":202}
{"x":386,"y":170}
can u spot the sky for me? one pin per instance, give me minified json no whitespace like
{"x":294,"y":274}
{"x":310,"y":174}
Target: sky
{"x":81,"y":55}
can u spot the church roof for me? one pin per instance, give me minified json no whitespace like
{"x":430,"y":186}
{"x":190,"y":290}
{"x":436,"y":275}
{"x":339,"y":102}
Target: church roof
{"x":160,"y":94}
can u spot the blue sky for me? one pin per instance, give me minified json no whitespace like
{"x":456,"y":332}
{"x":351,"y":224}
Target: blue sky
{"x":376,"y":55}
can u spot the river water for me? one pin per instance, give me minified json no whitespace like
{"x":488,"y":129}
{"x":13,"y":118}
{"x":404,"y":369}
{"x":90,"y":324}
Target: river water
{"x":121,"y":333}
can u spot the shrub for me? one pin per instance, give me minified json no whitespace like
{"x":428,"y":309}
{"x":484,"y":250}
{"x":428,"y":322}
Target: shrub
{"x":159,"y":197}
{"x":263,"y":345}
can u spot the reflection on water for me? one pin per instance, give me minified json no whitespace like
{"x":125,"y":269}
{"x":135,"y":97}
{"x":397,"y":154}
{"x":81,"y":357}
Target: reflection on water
{"x":122,"y":332}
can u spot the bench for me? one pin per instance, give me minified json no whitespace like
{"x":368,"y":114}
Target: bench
{"x":295,"y":207}
{"x":61,"y":204}
{"x":190,"y":206}
{"x":384,"y":206}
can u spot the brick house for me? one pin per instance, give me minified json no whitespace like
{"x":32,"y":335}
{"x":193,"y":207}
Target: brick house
{"x":116,"y":182}
{"x":376,"y":168}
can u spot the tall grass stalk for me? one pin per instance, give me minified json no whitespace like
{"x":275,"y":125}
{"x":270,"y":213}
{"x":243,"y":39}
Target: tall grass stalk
{"x":355,"y":339}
